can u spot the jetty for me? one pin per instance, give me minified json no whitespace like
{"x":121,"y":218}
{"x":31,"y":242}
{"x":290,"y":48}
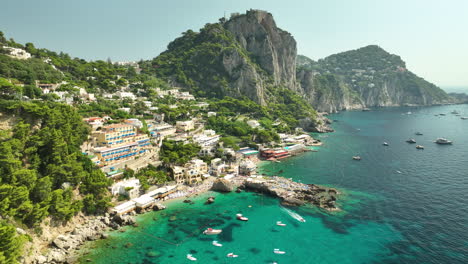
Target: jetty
{"x":293,"y":193}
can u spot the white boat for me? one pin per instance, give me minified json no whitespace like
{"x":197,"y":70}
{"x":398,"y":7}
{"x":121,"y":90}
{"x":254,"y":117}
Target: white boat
{"x":385,"y":144}
{"x":294,"y":215}
{"x":231,"y":255}
{"x":464,"y":117}
{"x":419,"y":147}
{"x":279,"y":223}
{"x":192,"y":258}
{"x":211,"y":231}
{"x":277,"y":251}
{"x":443,"y":141}
{"x":409,"y":113}
{"x":455,"y":112}
{"x":241,"y":217}
{"x":356,"y":157}
{"x":215,"y":243}
{"x":411,"y":141}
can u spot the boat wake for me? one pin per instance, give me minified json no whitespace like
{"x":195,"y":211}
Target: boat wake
{"x":293,"y":214}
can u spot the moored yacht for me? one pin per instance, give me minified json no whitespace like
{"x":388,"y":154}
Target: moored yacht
{"x":231,"y":255}
{"x":211,"y":231}
{"x":419,"y":147}
{"x":192,"y":258}
{"x":241,"y":217}
{"x":411,"y":141}
{"x":418,"y":134}
{"x":279,"y":223}
{"x":385,"y":144}
{"x":215,"y":243}
{"x":278,"y":251}
{"x":356,"y":157}
{"x":464,"y":117}
{"x":443,"y":141}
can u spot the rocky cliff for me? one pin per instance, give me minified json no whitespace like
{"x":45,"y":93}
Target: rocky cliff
{"x":366,"y":77}
{"x":272,"y":48}
{"x":243,"y":56}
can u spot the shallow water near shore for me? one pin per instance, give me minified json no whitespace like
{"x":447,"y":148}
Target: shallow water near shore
{"x":400,"y":205}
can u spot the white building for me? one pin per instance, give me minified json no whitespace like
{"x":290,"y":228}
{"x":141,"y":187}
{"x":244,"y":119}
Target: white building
{"x":134,"y":122}
{"x":185,"y":125}
{"x":130,"y":187}
{"x":123,"y":95}
{"x":125,"y":109}
{"x":211,"y":114}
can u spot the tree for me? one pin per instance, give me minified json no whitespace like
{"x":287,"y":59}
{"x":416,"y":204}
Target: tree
{"x":10,"y":244}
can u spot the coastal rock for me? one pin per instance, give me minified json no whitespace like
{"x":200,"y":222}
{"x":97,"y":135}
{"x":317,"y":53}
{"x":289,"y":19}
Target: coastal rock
{"x":41,"y":259}
{"x":291,"y":201}
{"x":293,"y":193}
{"x":61,"y":242}
{"x":159,"y":206}
{"x":222,"y":185}
{"x":56,"y":256}
{"x":210,"y":200}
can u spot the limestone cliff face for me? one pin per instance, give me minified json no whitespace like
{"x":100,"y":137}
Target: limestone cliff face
{"x":272,"y":48}
{"x":327,"y":93}
{"x":245,"y":80}
{"x":366,"y":77}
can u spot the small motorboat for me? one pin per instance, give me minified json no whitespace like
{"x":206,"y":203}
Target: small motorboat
{"x":464,"y":117}
{"x":215,"y":243}
{"x":443,"y":141}
{"x":385,"y":144}
{"x":231,"y":255}
{"x":409,"y":113}
{"x":455,"y":112}
{"x":241,"y":217}
{"x":192,"y":258}
{"x":418,"y":134}
{"x":442,"y":114}
{"x":279,"y":223}
{"x":277,"y":251}
{"x":399,"y":172}
{"x":211,"y":231}
{"x":419,"y":147}
{"x":356,"y":157}
{"x":411,"y":141}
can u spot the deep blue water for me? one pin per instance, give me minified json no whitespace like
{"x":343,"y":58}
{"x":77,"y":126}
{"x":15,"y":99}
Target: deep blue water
{"x":400,"y":204}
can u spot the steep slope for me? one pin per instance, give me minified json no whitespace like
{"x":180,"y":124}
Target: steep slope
{"x":244,"y":56}
{"x":368,"y":77}
{"x":272,"y":48}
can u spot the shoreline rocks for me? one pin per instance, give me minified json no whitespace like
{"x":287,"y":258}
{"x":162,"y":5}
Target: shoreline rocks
{"x":222,"y":185}
{"x":64,"y":247}
{"x":293,"y":193}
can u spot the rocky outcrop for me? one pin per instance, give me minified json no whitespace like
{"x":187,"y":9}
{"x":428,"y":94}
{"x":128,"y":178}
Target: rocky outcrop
{"x":294,"y":194}
{"x":64,"y":246}
{"x":362,"y":78}
{"x":327,"y":93}
{"x":222,"y":185}
{"x":272,"y":48}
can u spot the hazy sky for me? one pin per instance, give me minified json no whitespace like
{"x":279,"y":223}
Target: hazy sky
{"x":431,"y":36}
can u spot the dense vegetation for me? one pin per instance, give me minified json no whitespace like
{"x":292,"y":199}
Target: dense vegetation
{"x":195,"y":61}
{"x":371,"y":67}
{"x":42,"y":170}
{"x":178,"y":153}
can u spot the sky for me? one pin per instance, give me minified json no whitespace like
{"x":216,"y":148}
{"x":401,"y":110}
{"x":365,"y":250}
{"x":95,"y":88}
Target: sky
{"x":431,"y":36}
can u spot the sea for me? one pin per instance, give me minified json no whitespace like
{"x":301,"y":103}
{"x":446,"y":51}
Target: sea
{"x":398,"y":204}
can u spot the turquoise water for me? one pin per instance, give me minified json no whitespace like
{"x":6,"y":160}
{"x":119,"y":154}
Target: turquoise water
{"x":400,"y":205}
